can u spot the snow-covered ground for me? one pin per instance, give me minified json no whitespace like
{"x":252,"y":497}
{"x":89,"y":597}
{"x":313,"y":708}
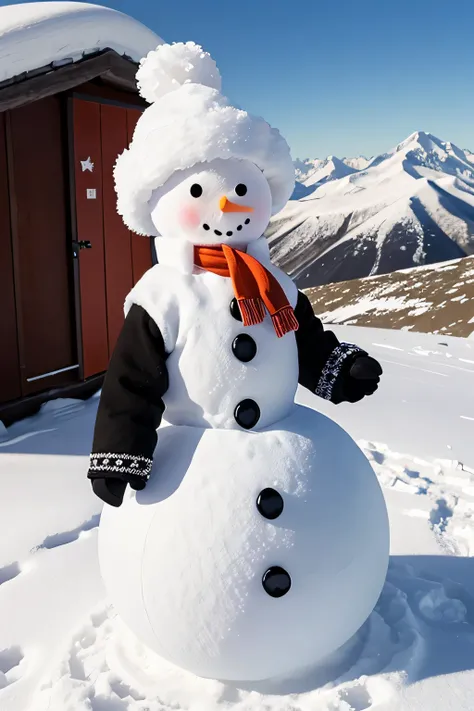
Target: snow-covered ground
{"x":62,"y":648}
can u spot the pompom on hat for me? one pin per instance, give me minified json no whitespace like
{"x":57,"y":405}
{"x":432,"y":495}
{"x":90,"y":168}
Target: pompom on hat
{"x":188,"y":122}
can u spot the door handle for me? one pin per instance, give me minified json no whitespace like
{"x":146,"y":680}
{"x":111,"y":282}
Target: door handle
{"x":82,"y":244}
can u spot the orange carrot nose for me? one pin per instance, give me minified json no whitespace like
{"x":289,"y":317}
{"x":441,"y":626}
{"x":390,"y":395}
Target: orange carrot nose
{"x":228,"y":206}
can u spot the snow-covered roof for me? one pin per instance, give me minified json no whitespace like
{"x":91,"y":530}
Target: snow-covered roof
{"x":34,"y":35}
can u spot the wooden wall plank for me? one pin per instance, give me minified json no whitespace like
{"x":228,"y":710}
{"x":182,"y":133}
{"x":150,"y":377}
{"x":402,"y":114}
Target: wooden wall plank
{"x":118,"y":251}
{"x":89,"y":226}
{"x":41,"y":256}
{"x":141,"y":246}
{"x":9,"y":359}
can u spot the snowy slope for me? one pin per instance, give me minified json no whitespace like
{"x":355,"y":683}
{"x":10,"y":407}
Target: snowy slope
{"x":33,"y":35}
{"x":330,"y":169}
{"x":411,"y":206}
{"x":62,"y":648}
{"x":432,"y":299}
{"x":358,"y":163}
{"x":469,"y":155}
{"x":305,"y":169}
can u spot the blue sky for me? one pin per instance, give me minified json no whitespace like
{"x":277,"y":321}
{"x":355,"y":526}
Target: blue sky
{"x":340,"y":77}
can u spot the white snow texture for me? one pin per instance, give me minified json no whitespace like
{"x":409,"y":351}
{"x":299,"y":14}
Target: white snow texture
{"x":63,"y":648}
{"x":33,"y":35}
{"x":170,"y":66}
{"x":192,"y":124}
{"x":193,"y":589}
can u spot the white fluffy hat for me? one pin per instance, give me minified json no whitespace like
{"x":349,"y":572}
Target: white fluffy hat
{"x":189,"y":122}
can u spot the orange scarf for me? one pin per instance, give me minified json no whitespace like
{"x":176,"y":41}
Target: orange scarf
{"x":255,"y":288}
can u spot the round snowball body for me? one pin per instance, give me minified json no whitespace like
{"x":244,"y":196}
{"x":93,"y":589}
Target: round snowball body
{"x":202,"y":575}
{"x":224,"y":201}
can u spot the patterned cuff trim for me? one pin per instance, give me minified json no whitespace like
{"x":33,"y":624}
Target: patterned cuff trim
{"x":333,"y":367}
{"x":121,"y":464}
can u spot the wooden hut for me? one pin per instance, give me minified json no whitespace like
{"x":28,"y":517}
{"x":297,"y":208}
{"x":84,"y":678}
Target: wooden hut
{"x":66,"y":259}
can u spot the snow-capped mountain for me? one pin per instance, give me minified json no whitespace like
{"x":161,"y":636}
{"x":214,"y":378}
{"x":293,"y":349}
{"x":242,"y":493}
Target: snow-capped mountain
{"x":314,"y":173}
{"x":358,"y":163}
{"x":305,"y":169}
{"x":411,"y":206}
{"x":329,"y":169}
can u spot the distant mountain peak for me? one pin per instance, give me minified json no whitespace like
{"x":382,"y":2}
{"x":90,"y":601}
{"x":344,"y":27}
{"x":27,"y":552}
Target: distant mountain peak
{"x":410,"y":206}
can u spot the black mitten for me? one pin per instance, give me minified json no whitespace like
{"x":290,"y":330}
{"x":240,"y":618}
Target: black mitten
{"x":111,"y":491}
{"x":358,"y":378}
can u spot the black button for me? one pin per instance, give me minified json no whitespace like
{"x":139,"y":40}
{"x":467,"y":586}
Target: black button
{"x":247,"y":414}
{"x":235,"y":310}
{"x":244,"y":348}
{"x":276,"y":581}
{"x":270,"y":503}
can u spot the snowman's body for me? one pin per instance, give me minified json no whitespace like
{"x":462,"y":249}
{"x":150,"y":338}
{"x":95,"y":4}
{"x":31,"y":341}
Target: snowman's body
{"x":184,"y":559}
{"x":260,"y":543}
{"x":207,"y":380}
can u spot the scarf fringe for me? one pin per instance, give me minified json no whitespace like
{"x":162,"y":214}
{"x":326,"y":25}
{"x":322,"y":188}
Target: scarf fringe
{"x":285,"y":321}
{"x":253,"y":313}
{"x":252,"y":310}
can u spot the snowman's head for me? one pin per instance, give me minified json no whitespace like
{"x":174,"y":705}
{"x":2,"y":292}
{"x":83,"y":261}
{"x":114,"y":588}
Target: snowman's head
{"x":191,"y":134}
{"x":225,"y":201}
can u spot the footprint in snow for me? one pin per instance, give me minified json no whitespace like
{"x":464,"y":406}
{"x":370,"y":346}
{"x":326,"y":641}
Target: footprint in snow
{"x":440,"y":515}
{"x":357,"y":697}
{"x":60,"y":539}
{"x":10,"y":661}
{"x":9,"y":572}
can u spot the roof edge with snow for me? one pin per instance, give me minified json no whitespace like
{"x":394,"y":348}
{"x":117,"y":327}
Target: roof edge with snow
{"x":39,"y":39}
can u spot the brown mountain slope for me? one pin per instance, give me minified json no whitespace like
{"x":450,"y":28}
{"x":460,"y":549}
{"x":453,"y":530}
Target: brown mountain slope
{"x":434,"y":299}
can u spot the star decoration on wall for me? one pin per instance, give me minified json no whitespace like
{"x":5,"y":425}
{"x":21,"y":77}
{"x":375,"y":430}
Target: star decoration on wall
{"x":87,"y":165}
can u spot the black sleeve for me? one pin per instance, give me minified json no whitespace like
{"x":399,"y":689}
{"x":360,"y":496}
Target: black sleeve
{"x":321,"y":357}
{"x":131,"y":404}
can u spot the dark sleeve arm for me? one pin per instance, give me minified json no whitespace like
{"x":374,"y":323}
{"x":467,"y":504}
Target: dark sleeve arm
{"x":322,"y":358}
{"x":131,"y":404}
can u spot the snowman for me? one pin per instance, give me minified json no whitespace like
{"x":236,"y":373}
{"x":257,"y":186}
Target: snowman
{"x":253,"y":539}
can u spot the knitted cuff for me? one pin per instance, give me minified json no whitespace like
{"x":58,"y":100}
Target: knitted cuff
{"x":119,"y":466}
{"x":333,"y":367}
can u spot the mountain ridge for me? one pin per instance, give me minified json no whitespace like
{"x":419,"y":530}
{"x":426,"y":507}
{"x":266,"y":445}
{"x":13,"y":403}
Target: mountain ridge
{"x":411,"y":206}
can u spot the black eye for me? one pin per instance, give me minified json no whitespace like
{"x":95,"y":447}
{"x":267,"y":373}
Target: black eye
{"x":196,"y":190}
{"x":241,"y":189}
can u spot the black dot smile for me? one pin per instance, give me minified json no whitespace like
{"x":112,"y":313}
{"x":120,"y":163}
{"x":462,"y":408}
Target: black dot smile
{"x":229,"y":233}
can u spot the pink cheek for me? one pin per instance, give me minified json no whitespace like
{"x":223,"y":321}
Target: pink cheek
{"x":189,"y":217}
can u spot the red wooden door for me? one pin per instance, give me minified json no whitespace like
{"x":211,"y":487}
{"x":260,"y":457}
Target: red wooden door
{"x":87,"y":157}
{"x":9,"y":358}
{"x":42,"y":262}
{"x":118,"y":250}
{"x":117,"y":258}
{"x":141,"y":246}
